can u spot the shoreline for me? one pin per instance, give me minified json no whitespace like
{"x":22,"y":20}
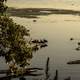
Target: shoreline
{"x":36,"y":12}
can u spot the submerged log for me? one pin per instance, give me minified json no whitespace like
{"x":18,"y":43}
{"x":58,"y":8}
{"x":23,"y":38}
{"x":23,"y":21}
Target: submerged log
{"x":74,"y":62}
{"x":34,"y":69}
{"x":8,"y":77}
{"x":56,"y":75}
{"x":16,"y":76}
{"x":47,"y":69}
{"x":27,"y":72}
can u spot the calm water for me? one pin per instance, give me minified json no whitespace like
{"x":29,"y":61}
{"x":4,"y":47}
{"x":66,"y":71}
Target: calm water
{"x":57,"y":29}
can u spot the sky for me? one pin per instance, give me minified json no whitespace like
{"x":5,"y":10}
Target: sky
{"x":67,"y":4}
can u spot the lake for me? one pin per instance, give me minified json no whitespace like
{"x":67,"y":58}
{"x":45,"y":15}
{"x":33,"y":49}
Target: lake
{"x":57,"y":29}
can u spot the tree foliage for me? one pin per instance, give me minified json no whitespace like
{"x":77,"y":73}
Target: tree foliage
{"x":13,"y":46}
{"x":3,"y":7}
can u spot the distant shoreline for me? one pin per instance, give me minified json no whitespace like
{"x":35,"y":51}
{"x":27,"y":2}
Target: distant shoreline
{"x":36,"y":12}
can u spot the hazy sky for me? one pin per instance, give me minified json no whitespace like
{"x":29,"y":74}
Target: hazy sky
{"x":72,"y":4}
{"x":41,"y":1}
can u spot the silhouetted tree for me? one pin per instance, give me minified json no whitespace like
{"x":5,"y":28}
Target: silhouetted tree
{"x":13,"y":46}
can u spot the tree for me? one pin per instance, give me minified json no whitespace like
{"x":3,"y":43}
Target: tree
{"x":16,"y":50}
{"x":2,"y":6}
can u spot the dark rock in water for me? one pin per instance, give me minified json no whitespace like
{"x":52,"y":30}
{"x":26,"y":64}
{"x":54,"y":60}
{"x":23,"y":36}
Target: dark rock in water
{"x":78,"y":43}
{"x":43,"y":45}
{"x":45,"y":40}
{"x":41,"y":41}
{"x":35,"y":48}
{"x":74,"y":62}
{"x":34,"y":20}
{"x":77,"y":49}
{"x":71,"y":39}
{"x":35,"y":41}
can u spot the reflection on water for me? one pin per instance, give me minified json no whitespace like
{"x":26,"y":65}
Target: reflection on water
{"x":57,"y":29}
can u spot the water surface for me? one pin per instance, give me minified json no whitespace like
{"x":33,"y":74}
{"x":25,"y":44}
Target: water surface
{"x":57,"y":29}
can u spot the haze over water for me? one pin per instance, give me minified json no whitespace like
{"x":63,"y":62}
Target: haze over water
{"x":64,"y":4}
